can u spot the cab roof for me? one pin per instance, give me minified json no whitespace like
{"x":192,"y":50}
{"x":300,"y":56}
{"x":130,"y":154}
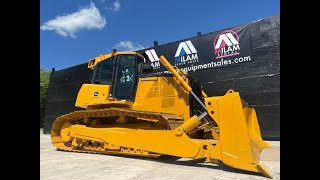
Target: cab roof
{"x":93,"y":62}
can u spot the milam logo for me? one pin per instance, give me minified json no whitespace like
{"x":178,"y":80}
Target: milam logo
{"x":152,"y":55}
{"x":186,"y":53}
{"x":226,"y":44}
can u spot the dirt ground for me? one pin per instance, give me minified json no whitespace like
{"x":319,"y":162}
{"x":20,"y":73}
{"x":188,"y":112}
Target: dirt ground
{"x":68,"y":165}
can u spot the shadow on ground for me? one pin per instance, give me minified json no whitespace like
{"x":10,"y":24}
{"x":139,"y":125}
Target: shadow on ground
{"x":185,"y":162}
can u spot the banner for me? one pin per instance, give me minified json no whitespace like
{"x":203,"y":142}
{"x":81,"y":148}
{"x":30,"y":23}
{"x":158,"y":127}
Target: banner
{"x":213,"y":50}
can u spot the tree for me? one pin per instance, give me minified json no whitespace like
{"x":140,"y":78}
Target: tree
{"x":44,"y":82}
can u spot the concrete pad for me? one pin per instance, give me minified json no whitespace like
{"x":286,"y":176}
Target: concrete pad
{"x":68,"y":165}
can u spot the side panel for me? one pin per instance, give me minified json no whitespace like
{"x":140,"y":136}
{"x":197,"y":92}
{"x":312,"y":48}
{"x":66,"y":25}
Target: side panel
{"x":161,"y":94}
{"x":91,"y":94}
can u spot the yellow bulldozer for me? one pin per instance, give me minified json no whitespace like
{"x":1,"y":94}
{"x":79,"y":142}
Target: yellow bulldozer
{"x":129,"y":110}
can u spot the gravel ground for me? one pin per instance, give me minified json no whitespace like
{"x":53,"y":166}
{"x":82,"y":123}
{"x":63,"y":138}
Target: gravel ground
{"x":68,"y":165}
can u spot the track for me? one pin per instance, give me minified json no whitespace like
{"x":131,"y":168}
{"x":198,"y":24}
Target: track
{"x":60,"y":130}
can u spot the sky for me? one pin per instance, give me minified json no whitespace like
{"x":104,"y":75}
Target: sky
{"x":74,"y":31}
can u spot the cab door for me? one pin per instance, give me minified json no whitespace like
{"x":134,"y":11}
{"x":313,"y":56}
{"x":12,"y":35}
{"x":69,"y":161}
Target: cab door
{"x":125,"y":81}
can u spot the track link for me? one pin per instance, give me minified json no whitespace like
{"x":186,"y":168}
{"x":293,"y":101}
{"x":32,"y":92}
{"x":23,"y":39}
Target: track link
{"x":80,"y":117}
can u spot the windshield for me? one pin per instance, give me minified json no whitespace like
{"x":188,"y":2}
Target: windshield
{"x":103,"y":72}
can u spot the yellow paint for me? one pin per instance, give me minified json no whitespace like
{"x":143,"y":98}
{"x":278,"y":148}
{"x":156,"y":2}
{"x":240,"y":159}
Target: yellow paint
{"x":93,"y":94}
{"x":161,"y":94}
{"x":93,"y":62}
{"x":240,"y":141}
{"x":191,"y":124}
{"x":236,"y":140}
{"x":179,"y":79}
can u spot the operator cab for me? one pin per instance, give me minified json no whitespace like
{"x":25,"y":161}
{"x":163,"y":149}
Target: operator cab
{"x":120,"y":70}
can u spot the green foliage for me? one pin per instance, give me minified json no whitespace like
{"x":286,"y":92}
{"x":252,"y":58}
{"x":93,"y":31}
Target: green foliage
{"x":44,"y":82}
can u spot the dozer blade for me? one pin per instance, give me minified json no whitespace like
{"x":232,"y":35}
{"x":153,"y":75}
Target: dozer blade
{"x":240,"y":141}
